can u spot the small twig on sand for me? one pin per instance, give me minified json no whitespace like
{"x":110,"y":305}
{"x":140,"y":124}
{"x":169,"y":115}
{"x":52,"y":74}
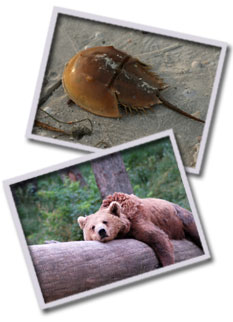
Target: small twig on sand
{"x":70,"y":122}
{"x":77,"y":133}
{"x":50,"y":128}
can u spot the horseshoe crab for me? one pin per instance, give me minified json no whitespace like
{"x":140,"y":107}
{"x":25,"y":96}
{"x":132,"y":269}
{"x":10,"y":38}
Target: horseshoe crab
{"x":99,"y":78}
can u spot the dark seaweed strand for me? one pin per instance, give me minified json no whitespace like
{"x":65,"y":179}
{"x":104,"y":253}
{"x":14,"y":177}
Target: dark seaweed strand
{"x":70,"y":122}
{"x":176,"y":109}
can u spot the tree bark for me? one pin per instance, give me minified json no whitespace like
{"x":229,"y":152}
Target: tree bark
{"x":69,"y":268}
{"x":111,"y":175}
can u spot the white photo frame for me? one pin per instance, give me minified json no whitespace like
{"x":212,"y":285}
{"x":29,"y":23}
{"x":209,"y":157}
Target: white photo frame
{"x":198,"y":147}
{"x":153,"y":138}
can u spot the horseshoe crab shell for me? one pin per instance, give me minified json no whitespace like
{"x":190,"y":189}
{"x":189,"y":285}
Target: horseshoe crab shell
{"x":99,"y":78}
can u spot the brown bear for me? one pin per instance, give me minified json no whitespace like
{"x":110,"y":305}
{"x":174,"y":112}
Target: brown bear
{"x":152,"y":221}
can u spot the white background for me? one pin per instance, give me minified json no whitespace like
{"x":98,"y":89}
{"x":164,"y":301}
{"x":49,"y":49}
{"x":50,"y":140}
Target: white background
{"x":199,"y":293}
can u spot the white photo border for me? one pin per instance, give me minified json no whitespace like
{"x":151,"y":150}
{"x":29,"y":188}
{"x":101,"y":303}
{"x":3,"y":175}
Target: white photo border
{"x":57,"y":10}
{"x":92,"y":156}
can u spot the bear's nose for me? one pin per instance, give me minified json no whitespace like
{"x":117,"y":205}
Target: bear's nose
{"x":102,"y":233}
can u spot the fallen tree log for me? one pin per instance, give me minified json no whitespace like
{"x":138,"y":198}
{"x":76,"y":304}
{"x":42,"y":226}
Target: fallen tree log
{"x":69,"y":268}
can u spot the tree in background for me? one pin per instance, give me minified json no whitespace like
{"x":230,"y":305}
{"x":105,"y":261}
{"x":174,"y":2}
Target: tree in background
{"x":110,"y":175}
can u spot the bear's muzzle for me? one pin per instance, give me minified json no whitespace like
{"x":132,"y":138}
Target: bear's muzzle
{"x":102,"y":232}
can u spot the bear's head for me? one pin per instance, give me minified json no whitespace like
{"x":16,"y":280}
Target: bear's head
{"x":106,"y":224}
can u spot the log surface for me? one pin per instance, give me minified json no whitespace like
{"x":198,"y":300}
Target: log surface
{"x":69,"y":268}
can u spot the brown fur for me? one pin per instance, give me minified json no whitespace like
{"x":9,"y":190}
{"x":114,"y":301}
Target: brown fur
{"x":152,"y":221}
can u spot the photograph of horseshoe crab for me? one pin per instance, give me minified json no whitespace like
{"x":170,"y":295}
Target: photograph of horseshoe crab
{"x":107,"y":219}
{"x":105,"y":82}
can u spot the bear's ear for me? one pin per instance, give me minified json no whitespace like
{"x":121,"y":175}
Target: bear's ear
{"x":115,"y":208}
{"x":82,"y":221}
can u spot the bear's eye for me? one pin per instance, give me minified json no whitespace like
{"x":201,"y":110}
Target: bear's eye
{"x":105,"y":222}
{"x":93,"y":227}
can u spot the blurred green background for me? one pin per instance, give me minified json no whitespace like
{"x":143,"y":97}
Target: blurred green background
{"x":48,"y":205}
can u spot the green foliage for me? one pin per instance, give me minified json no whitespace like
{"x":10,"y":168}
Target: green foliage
{"x":154,"y":173}
{"x":50,"y":212}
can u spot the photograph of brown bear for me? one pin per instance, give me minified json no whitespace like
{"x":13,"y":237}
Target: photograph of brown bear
{"x":152,"y":221}
{"x":108,"y":220}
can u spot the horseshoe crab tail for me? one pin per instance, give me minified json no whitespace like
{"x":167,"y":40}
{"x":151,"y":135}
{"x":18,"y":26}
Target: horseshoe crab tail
{"x":176,"y":109}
